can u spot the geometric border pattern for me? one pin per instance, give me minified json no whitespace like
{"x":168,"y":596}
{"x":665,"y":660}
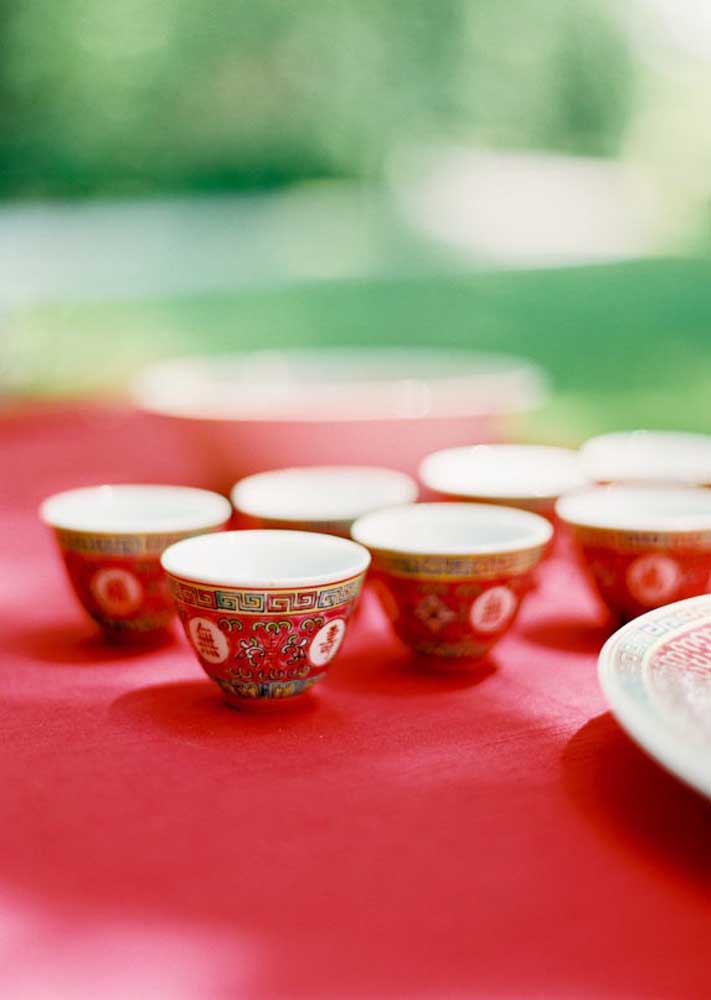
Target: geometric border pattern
{"x":631,"y":649}
{"x":128,"y":545}
{"x":636,"y":541}
{"x":266,"y":602}
{"x":692,"y":645}
{"x":484,"y":567}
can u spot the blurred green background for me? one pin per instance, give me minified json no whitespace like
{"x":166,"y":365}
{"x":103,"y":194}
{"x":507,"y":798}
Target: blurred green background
{"x":132,"y":97}
{"x":527,"y":175}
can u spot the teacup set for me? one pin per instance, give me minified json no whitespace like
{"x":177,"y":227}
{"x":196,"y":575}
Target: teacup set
{"x":266,"y":607}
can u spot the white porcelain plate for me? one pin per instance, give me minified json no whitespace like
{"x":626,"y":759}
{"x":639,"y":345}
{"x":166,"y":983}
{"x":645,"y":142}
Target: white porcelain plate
{"x":656,"y":675}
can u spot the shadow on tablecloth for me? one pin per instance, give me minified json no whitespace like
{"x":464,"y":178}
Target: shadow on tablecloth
{"x":195,"y":711}
{"x":632,"y":799}
{"x":569,"y":635}
{"x":74,"y":644}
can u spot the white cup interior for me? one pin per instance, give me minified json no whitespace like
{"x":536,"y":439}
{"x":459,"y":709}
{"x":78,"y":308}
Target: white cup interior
{"x":126,"y":509}
{"x":265,"y":558}
{"x":630,"y":508}
{"x":648,"y":456}
{"x":503,"y":470}
{"x":322,"y":493}
{"x":451,"y":529}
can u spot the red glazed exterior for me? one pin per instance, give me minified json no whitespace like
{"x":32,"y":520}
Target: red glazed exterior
{"x":452,"y":606}
{"x":544,"y":506}
{"x":119,"y":580}
{"x":264,"y":645}
{"x":637,"y":571}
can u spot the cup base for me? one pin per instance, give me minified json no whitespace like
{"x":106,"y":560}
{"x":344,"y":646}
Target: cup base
{"x":266,"y":705}
{"x":152,"y":637}
{"x":450,"y":653}
{"x":450,"y":664}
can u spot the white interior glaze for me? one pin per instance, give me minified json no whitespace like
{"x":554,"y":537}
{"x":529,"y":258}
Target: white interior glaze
{"x":322,"y":493}
{"x":265,"y":558}
{"x":337,"y":383}
{"x":648,"y":456}
{"x":451,"y":529}
{"x":503,"y":470}
{"x":638,"y":508}
{"x":125,"y":509}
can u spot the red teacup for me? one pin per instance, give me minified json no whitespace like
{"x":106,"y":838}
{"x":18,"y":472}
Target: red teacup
{"x":528,"y":476}
{"x":111,"y":539}
{"x":265,"y":611}
{"x":643,"y":547}
{"x":651,"y":458}
{"x":325,"y":498}
{"x":451,"y":576}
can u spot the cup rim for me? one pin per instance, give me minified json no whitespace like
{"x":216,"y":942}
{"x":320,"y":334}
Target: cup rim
{"x":638,"y":509}
{"x":195,"y":559}
{"x":269,"y":494}
{"x":648,"y":456}
{"x":438,"y":471}
{"x":375,"y":530}
{"x":76,"y":509}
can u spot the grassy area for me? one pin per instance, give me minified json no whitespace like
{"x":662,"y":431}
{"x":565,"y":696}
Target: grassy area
{"x":626,"y":345}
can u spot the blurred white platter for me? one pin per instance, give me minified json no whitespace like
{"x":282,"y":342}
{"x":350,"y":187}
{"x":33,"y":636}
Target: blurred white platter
{"x":386,"y":406}
{"x":334,"y":383}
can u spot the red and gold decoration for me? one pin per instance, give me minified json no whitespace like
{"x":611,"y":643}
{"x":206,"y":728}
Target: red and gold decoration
{"x":453,"y":606}
{"x":265,"y":644}
{"x":119,"y":580}
{"x":637,"y":571}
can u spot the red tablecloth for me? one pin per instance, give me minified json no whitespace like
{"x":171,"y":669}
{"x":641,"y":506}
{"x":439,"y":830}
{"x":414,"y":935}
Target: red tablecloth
{"x":412,"y":835}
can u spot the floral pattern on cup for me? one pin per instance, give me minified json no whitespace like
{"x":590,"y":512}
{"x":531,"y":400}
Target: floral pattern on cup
{"x":258,"y":646}
{"x":451,"y":576}
{"x":451,"y":618}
